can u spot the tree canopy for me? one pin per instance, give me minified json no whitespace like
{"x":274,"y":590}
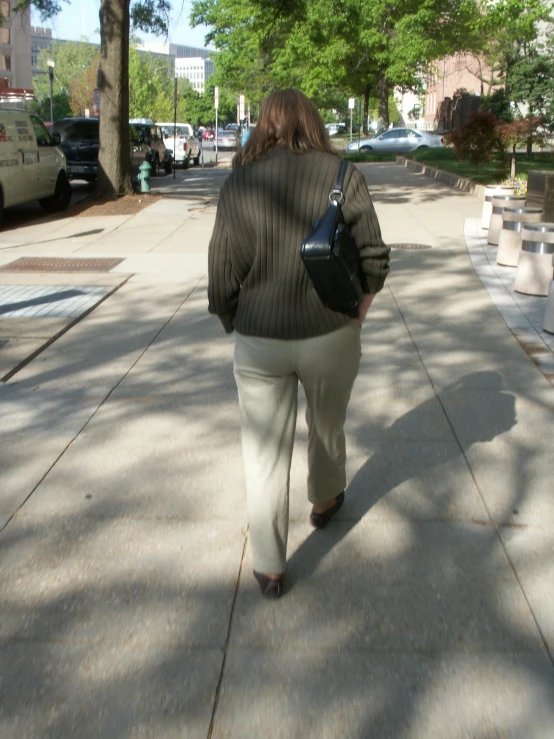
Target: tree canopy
{"x":335,"y":48}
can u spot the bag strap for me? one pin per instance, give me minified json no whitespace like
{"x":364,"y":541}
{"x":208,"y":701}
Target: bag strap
{"x":339,"y":184}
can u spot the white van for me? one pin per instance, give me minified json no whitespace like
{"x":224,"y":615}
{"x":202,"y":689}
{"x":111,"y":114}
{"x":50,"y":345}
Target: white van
{"x":31,"y":165}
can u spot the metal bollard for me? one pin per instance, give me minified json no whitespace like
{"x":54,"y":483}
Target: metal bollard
{"x":144,"y":176}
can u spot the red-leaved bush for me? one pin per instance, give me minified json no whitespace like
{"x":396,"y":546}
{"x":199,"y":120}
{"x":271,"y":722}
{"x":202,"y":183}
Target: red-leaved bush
{"x":479,"y":141}
{"x":523,"y":131}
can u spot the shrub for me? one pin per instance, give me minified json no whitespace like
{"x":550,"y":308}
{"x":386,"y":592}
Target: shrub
{"x":498,"y":104}
{"x":525,"y":131}
{"x":479,"y":141}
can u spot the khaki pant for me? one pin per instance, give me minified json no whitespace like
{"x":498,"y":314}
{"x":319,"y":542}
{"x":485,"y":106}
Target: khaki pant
{"x":267,"y":373}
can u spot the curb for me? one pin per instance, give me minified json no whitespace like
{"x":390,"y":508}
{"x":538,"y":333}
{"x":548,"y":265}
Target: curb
{"x":449,"y":178}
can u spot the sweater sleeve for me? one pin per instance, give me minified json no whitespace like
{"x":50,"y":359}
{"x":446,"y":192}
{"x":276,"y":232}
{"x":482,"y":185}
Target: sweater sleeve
{"x":360,"y":215}
{"x":223,"y":286}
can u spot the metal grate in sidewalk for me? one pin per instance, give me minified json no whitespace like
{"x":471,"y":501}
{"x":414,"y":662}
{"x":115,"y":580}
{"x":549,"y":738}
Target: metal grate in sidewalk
{"x":52,"y":264}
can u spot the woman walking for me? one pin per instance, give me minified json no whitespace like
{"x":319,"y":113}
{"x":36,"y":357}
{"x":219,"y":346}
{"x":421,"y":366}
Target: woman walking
{"x":259,"y":288}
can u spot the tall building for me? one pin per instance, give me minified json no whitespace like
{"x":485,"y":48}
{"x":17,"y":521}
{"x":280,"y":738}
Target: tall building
{"x":178,"y":51}
{"x":41,"y":38}
{"x":191,"y":62}
{"x":15,"y":46}
{"x":195,"y":69}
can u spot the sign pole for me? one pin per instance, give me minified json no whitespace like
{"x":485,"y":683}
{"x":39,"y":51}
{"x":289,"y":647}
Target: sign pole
{"x":174,"y":124}
{"x":351,"y":104}
{"x":216,"y":103}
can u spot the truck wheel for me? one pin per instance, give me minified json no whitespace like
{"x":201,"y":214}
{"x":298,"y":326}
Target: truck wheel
{"x":167,"y":166}
{"x":155,"y":164}
{"x":186,"y":162}
{"x":61,"y":197}
{"x":196,"y":161}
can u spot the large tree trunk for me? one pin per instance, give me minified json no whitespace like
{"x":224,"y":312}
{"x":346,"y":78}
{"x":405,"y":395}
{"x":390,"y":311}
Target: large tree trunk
{"x":114,"y":156}
{"x":383,"y":95}
{"x":367,"y":90}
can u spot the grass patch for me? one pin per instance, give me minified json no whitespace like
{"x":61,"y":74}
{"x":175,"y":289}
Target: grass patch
{"x":485,"y":174}
{"x":369,"y":157}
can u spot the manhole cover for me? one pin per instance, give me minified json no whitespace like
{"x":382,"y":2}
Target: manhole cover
{"x":38,"y":264}
{"x":410,"y":246}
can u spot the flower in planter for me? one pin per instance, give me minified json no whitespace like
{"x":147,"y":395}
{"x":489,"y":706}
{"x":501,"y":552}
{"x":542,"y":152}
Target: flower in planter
{"x":518,"y":183}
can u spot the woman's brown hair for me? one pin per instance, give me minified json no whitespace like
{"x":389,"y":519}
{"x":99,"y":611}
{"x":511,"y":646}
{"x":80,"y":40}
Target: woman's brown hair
{"x":287,"y":118}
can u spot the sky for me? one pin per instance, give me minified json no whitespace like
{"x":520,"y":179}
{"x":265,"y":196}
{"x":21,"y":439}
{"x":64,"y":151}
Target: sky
{"x":79,"y":18}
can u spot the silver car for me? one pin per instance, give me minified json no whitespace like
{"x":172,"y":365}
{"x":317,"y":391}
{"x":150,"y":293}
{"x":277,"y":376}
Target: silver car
{"x":227,"y":140}
{"x":396,"y":141}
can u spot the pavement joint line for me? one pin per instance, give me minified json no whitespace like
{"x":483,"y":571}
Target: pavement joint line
{"x":62,"y":331}
{"x":156,"y":246}
{"x":227,"y":640}
{"x":102,"y":403}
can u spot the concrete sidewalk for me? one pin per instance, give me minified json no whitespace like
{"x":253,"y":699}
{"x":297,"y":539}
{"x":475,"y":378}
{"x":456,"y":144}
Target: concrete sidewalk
{"x":128,"y":607}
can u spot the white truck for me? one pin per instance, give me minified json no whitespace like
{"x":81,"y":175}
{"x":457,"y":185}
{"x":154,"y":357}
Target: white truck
{"x":184,"y":145}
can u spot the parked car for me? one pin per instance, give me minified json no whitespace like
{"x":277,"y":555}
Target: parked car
{"x":227,"y":139}
{"x":151,"y":135}
{"x":397,"y":141}
{"x":185,"y":147}
{"x":232,"y":127}
{"x":32,"y":165}
{"x":335,"y":128}
{"x":208,"y":134}
{"x":80,"y":142}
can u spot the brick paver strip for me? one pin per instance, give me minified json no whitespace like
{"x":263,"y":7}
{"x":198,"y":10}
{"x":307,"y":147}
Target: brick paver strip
{"x":46,"y":264}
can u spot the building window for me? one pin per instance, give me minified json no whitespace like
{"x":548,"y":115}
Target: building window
{"x":5,"y":35}
{"x":6,"y":63}
{"x":5,"y":8}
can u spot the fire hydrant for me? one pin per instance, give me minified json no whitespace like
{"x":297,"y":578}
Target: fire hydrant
{"x":144,"y":176}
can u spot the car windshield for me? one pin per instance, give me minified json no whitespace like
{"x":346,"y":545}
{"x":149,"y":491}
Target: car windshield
{"x":80,"y":131}
{"x":180,"y":131}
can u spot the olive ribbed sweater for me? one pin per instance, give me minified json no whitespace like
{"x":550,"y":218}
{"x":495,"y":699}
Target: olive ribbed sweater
{"x":257,"y":282}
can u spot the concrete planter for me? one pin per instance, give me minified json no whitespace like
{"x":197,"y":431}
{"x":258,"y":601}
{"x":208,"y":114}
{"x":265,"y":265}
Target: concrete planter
{"x":492,"y":191}
{"x":499,"y":202}
{"x":534,"y":268}
{"x":509,"y":242}
{"x":549,"y":310}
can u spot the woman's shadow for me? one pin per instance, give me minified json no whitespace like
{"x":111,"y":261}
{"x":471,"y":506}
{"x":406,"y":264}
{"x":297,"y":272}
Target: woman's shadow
{"x":380,"y":474}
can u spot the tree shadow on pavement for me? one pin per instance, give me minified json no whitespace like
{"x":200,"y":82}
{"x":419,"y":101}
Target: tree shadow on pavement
{"x":128,"y":606}
{"x":379,"y":475}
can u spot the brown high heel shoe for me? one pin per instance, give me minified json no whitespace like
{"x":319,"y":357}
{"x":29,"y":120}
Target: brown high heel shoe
{"x":270,"y":588}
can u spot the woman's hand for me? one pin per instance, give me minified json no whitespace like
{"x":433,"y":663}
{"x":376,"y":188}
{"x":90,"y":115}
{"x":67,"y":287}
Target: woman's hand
{"x":363,"y":307}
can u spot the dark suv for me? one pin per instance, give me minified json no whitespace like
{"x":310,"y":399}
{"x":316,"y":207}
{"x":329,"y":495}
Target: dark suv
{"x":80,"y":142}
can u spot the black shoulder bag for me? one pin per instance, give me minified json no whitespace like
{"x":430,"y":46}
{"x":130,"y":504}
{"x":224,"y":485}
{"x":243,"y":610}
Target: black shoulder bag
{"x":330,"y":255}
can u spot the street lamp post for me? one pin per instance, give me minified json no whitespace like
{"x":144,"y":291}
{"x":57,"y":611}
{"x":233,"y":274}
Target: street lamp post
{"x":51,"y":64}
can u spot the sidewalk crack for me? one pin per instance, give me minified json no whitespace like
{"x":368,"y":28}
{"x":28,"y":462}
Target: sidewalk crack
{"x":226,"y":646}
